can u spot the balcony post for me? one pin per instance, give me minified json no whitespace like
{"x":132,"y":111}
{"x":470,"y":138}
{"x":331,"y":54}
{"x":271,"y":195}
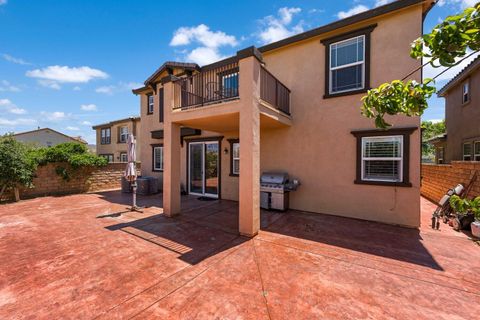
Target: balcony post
{"x":171,"y":157}
{"x":249,"y":204}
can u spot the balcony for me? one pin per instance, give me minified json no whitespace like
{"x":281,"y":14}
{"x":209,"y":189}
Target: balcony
{"x":220,"y":83}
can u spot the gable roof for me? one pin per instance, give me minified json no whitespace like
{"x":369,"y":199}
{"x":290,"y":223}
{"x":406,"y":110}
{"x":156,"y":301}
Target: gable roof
{"x":107,"y":124}
{"x":465,"y":72}
{"x":78,"y":139}
{"x":171,"y":65}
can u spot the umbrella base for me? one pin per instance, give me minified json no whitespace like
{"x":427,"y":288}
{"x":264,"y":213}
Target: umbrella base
{"x":137,"y":209}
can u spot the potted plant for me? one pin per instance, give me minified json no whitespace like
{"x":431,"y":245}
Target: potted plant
{"x":467,"y":214}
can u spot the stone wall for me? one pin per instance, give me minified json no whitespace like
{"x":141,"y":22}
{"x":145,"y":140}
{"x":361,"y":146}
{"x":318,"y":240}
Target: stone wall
{"x":48,"y":182}
{"x":438,"y":178}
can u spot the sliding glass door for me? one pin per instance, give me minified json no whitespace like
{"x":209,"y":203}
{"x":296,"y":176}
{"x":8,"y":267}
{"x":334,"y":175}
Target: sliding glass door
{"x":203,"y":166}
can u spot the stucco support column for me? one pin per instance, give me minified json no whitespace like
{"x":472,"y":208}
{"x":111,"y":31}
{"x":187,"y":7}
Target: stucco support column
{"x":249,"y":204}
{"x":171,"y":158}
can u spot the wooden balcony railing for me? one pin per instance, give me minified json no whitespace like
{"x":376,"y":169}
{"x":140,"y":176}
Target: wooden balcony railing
{"x":207,"y":87}
{"x":274,"y":92}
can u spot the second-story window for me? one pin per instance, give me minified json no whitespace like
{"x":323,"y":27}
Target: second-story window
{"x":465,"y":92}
{"x":229,"y":84}
{"x":347,"y":65}
{"x":123,"y":134}
{"x":150,"y":104}
{"x":105,"y":136}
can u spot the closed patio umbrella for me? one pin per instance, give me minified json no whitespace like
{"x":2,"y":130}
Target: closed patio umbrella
{"x":131,"y":170}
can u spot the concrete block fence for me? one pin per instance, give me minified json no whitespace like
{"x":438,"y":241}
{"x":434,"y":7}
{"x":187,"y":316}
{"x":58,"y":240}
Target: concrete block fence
{"x":48,"y":182}
{"x":438,"y":178}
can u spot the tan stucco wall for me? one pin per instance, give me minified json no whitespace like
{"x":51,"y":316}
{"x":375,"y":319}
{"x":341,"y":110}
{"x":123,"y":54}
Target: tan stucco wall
{"x":462,"y":119}
{"x":116,"y":147}
{"x":43,"y":138}
{"x":318,"y":148}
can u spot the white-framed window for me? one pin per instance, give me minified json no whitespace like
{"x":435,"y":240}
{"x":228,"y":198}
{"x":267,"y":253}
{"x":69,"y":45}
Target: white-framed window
{"x":347,"y":65}
{"x":123,"y":134}
{"x":236,"y":158}
{"x":382,"y":158}
{"x":123,"y":157}
{"x":151,"y":104}
{"x":441,"y":155}
{"x":465,"y":92}
{"x":467,"y":151}
{"x":476,"y":151}
{"x":105,"y":136}
{"x":158,"y":158}
{"x":109,"y":157}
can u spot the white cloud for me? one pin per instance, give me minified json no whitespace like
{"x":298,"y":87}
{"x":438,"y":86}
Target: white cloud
{"x":51,"y":76}
{"x":17,"y":122}
{"x":86,"y":123}
{"x":353,"y":11}
{"x":71,"y":128}
{"x":209,"y":41}
{"x":105,"y":89}
{"x":49,"y":84}
{"x":462,"y":4}
{"x":10,"y":107}
{"x":430,"y":72}
{"x":277,"y":28}
{"x":12,"y":59}
{"x":379,"y":3}
{"x":88,"y":107}
{"x":7,"y":86}
{"x":203,"y":35}
{"x":120,"y":87}
{"x":2,"y":2}
{"x":54,"y":116}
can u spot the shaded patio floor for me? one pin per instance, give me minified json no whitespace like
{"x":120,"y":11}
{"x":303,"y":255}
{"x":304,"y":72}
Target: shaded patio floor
{"x":84,"y":257}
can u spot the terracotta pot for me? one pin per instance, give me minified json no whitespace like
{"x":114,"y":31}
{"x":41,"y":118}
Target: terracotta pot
{"x":475,"y":228}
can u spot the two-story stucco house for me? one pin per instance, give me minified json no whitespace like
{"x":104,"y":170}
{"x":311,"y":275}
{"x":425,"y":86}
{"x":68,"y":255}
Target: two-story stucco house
{"x":293,"y":106}
{"x":112,"y":137}
{"x":462,"y":115}
{"x":46,"y":137}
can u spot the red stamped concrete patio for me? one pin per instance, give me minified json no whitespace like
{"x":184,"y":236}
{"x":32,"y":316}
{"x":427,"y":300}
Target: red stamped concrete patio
{"x":75,"y":257}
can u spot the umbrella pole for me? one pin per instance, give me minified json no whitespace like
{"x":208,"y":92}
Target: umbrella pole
{"x":134,"y":185}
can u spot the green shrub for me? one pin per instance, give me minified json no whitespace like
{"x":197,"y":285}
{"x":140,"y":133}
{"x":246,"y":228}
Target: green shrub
{"x":17,"y":168}
{"x":465,"y":205}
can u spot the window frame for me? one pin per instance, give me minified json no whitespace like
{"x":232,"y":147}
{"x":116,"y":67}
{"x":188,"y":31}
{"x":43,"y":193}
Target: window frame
{"x":225,"y":75}
{"x":366,"y":64}
{"x":162,"y":164}
{"x":353,"y":64}
{"x":401,"y":159}
{"x":405,"y":167}
{"x":150,"y":105}
{"x":474,"y":151}
{"x":232,"y":171}
{"x":467,"y":93}
{"x":126,"y":157}
{"x":120,"y":134}
{"x":441,"y":151}
{"x":108,"y":156}
{"x":463,"y":150}
{"x":104,"y":140}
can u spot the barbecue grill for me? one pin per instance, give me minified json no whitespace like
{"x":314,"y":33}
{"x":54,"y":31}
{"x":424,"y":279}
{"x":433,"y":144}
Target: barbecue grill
{"x":275,"y":188}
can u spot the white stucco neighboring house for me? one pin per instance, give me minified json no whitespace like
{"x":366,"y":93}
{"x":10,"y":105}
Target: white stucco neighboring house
{"x":46,"y":137}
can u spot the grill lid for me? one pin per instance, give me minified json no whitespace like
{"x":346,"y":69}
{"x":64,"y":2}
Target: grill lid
{"x":274,"y":178}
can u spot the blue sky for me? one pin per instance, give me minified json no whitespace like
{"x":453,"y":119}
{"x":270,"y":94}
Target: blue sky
{"x":70,"y":64}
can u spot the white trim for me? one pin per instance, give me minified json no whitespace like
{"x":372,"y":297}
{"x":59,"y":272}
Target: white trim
{"x":234,"y":158}
{"x":331,"y":69}
{"x":155,"y":158}
{"x":463,"y":151}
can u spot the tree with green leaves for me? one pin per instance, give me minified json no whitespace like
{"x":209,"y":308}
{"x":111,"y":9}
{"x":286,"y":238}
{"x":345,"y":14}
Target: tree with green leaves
{"x":17,"y":168}
{"x":449,"y":43}
{"x":429,"y":130}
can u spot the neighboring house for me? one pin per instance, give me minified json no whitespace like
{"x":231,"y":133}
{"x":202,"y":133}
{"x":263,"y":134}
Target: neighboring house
{"x":294,"y":106}
{"x":112,"y":138}
{"x":462,"y":117}
{"x":46,"y":137}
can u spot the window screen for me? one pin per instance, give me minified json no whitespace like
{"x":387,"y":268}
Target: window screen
{"x":347,"y":65}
